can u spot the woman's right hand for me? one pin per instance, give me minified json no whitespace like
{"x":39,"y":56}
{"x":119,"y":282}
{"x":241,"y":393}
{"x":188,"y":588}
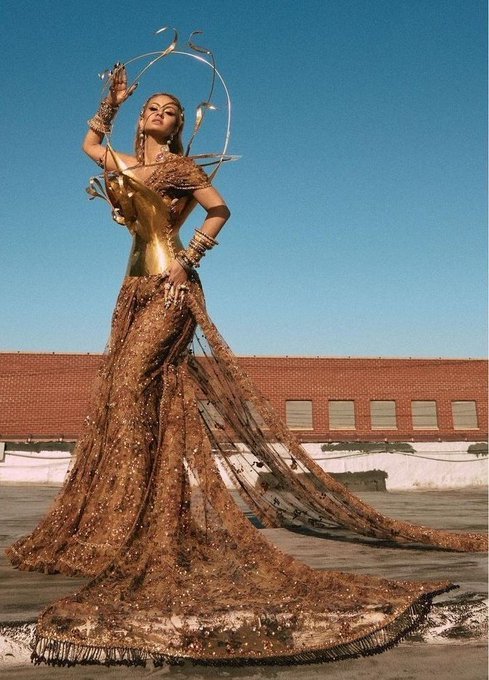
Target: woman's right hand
{"x":119,"y":91}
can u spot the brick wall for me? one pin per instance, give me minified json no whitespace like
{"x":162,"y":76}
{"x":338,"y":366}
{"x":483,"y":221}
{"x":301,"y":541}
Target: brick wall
{"x":46,"y":395}
{"x":364,"y":379}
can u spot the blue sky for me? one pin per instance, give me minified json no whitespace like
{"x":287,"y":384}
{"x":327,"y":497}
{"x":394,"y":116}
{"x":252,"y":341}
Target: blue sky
{"x":358,"y":206}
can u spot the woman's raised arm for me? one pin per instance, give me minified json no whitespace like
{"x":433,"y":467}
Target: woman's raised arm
{"x":100,"y":124}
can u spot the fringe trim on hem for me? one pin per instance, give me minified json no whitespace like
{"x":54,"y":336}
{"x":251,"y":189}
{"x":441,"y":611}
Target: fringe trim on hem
{"x":63,"y":653}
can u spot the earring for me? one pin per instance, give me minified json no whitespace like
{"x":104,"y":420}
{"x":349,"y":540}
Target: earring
{"x":164,"y":150}
{"x":140,"y":145}
{"x":168,"y":143}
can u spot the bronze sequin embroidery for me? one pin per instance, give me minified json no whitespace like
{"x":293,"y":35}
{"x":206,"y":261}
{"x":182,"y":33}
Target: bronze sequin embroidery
{"x":178,"y":572}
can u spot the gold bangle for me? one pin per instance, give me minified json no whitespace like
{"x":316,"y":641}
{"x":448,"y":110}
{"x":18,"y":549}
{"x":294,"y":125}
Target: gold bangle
{"x":101,"y":121}
{"x":206,"y":239}
{"x":199,"y":244}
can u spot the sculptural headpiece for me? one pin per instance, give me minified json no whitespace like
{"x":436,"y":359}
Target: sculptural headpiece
{"x":203,"y":107}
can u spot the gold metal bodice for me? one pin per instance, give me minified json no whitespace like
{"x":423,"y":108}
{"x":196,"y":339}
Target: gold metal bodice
{"x":153,"y":219}
{"x":152,"y":257}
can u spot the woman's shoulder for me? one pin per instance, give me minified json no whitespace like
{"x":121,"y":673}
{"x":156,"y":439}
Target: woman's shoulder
{"x":182,"y":172}
{"x":128,"y":159}
{"x":115,"y":160}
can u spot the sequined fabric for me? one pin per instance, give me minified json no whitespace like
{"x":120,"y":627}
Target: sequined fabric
{"x":177,"y":176}
{"x":178,"y":572}
{"x":292,"y":490}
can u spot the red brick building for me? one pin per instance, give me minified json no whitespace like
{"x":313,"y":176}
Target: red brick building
{"x":45,"y":396}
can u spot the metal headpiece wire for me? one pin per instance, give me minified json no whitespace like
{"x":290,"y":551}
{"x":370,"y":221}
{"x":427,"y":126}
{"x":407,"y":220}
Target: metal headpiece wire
{"x":206,"y":105}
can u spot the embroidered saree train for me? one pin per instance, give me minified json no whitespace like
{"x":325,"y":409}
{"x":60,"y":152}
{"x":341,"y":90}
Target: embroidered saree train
{"x":178,"y":572}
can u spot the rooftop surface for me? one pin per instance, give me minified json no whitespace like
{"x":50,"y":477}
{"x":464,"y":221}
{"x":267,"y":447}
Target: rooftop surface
{"x":452,"y":643}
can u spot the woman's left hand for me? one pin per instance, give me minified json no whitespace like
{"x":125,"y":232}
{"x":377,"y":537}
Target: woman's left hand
{"x":176,"y":274}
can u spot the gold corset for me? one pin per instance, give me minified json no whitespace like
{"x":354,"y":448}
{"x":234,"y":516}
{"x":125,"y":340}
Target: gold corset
{"x":154,"y":215}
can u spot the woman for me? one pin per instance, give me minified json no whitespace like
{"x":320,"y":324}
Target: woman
{"x":177,"y":571}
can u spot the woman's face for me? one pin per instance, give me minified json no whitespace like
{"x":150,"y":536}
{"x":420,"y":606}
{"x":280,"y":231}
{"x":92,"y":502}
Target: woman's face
{"x":161,"y":116}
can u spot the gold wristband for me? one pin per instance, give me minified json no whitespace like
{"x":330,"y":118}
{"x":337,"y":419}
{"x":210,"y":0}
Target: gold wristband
{"x":199,"y":244}
{"x":101,"y":121}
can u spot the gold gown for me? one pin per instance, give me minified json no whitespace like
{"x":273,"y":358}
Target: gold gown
{"x":178,"y":572}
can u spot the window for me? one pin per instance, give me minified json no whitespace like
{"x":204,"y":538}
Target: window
{"x":383,"y":415}
{"x":464,"y":415}
{"x":298,"y":415}
{"x":210,"y":414}
{"x":424,"y":415}
{"x":341,"y":415}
